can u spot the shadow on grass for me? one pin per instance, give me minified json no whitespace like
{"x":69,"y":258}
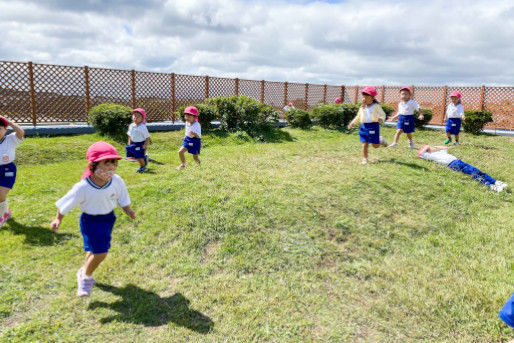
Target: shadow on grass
{"x":36,"y":235}
{"x":139,"y":306}
{"x":273,"y":136}
{"x":407,"y":164}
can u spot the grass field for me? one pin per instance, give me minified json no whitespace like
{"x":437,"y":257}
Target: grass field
{"x":291,"y":241}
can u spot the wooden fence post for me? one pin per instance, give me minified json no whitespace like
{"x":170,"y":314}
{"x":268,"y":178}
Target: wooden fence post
{"x":262,"y":91}
{"x":306,"y":99}
{"x":325,"y":94}
{"x":445,"y":99}
{"x":356,"y":94}
{"x":236,"y":86}
{"x":207,"y":87}
{"x":382,"y":96}
{"x":32,"y":94}
{"x":343,"y":88}
{"x":86,"y":86}
{"x":285,"y":94}
{"x":482,"y":98}
{"x":133,"y":73}
{"x":173,"y":101}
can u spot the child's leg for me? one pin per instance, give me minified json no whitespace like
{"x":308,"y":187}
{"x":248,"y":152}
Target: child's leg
{"x":457,"y":138}
{"x":365,"y":150}
{"x":409,"y":136}
{"x":3,"y":193}
{"x":397,"y":136}
{"x":181,"y":153}
{"x":475,"y":172}
{"x":376,"y":145}
{"x":92,"y":262}
{"x":197,"y":159}
{"x":4,"y":207}
{"x":141,"y":162}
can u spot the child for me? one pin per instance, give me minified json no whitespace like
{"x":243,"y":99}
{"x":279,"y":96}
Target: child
{"x":440,"y":155}
{"x":370,"y":115}
{"x":454,"y":116}
{"x":192,"y":141}
{"x":8,"y":146}
{"x":338,"y":101}
{"x":288,"y":107}
{"x":406,"y":109}
{"x":97,"y":195}
{"x":138,"y":138}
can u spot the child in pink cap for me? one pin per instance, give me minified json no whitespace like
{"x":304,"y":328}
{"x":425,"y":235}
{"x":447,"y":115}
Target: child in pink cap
{"x":338,"y":101}
{"x":193,"y":138}
{"x":138,"y":138}
{"x":370,"y":114}
{"x":454,"y":116}
{"x":406,"y":108}
{"x":97,"y":194}
{"x":8,"y":145}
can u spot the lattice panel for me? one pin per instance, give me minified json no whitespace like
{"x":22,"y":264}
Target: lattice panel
{"x":153,"y":94}
{"x":250,"y":88}
{"x":60,"y":93}
{"x":295,"y":94}
{"x":274,"y":94}
{"x":189,"y":89}
{"x":500,"y":101}
{"x":431,"y":98}
{"x":221,"y":87}
{"x":334,"y":92}
{"x":15,"y":92}
{"x":110,"y":85}
{"x":349,"y":95}
{"x":315,"y":96}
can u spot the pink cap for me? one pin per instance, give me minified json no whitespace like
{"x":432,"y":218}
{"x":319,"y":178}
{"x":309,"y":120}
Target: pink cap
{"x":3,"y":120}
{"x":140,"y":111}
{"x":370,"y":90}
{"x":100,"y":151}
{"x":456,"y":94}
{"x":291,"y":104}
{"x":338,"y":100}
{"x":405,"y":88}
{"x":191,"y":110}
{"x":419,"y":150}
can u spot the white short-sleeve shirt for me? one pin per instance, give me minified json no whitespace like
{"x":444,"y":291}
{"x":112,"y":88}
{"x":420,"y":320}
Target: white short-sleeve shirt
{"x":368,"y":113}
{"x":440,"y":156}
{"x":407,"y":108}
{"x":8,"y":146}
{"x":455,"y":111}
{"x":138,"y":133}
{"x":93,"y":199}
{"x":195,"y":127}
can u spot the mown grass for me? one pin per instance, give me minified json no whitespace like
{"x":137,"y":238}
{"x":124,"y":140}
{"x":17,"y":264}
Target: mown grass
{"x":292,"y":241}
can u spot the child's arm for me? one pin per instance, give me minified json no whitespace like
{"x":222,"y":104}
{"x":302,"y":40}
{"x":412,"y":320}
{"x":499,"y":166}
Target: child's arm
{"x":192,"y":134}
{"x":353,"y":122}
{"x":146,"y":143}
{"x":129,"y":140}
{"x":54,"y":226}
{"x":130,"y":212}
{"x":17,"y":129}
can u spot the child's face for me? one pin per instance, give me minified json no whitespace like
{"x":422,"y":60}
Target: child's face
{"x":454,"y":99}
{"x":105,"y":169}
{"x":405,"y":95}
{"x":137,"y":118}
{"x":3,"y":131}
{"x":367,"y":99}
{"x":190,"y":119}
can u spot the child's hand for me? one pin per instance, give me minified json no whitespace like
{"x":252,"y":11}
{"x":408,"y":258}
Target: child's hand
{"x":463,"y":117}
{"x":191,"y":134}
{"x":130,"y":212}
{"x":421,"y":117}
{"x":350,"y":126}
{"x":55,"y":225}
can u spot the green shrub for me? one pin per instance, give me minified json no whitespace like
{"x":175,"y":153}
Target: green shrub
{"x":476,"y":120}
{"x":111,"y":120}
{"x":298,"y":118}
{"x":427,"y":117}
{"x":334,"y":116}
{"x":206,"y":114}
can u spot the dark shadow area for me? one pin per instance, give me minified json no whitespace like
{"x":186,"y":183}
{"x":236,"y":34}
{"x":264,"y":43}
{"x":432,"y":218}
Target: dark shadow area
{"x":407,"y":164}
{"x":36,"y":235}
{"x":482,"y":147}
{"x":215,"y":132}
{"x":273,"y":136}
{"x":149,"y":309}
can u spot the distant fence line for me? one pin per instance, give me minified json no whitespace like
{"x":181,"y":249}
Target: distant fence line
{"x":43,"y":93}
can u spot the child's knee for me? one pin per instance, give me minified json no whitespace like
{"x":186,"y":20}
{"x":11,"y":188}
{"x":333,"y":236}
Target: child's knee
{"x":376,"y":145}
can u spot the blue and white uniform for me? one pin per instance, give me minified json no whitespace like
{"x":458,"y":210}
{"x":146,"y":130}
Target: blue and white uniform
{"x":8,"y":146}
{"x":454,"y":113}
{"x":138,"y":135}
{"x":97,"y":205}
{"x":193,"y":145}
{"x":406,"y":119}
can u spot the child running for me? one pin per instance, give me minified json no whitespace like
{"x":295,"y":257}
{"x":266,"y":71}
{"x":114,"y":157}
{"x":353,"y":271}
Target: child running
{"x":138,"y":138}
{"x":97,"y":194}
{"x":193,"y":138}
{"x":440,"y":155}
{"x":370,"y":115}
{"x":406,"y":108}
{"x":8,"y":144}
{"x":454,"y":116}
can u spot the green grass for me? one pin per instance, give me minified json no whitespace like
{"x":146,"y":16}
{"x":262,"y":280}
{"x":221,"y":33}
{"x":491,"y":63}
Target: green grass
{"x":291,"y":241}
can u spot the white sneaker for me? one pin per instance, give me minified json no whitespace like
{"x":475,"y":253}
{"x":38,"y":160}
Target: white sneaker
{"x":411,"y":144}
{"x":84,"y":283}
{"x":364,"y":161}
{"x":393,"y":144}
{"x":383,"y":141}
{"x":495,"y":187}
{"x":501,"y":184}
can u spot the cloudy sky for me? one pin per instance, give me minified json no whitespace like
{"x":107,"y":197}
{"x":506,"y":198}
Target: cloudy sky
{"x":335,"y":42}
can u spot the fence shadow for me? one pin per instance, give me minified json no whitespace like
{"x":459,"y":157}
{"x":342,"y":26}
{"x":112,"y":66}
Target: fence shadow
{"x":139,"y":306}
{"x":36,"y":235}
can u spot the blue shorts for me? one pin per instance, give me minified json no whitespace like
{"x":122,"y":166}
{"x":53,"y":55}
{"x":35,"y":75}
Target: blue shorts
{"x":406,"y":123}
{"x":507,"y":312}
{"x":193,"y":145}
{"x":453,"y":126}
{"x":369,"y":133}
{"x":7,"y":175}
{"x":96,"y":231}
{"x":135,"y":150}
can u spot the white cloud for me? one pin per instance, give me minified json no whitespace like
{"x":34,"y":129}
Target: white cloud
{"x":379,"y":42}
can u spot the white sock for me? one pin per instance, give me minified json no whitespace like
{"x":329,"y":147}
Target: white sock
{"x":3,"y":208}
